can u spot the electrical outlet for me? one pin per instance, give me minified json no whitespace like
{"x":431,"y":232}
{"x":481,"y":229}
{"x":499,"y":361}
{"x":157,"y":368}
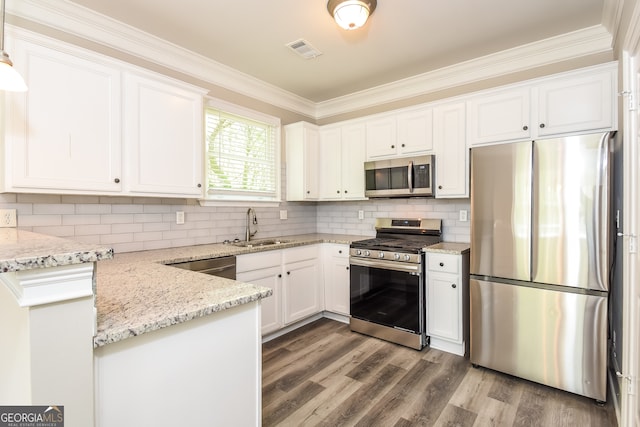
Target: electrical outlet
{"x":8,"y":218}
{"x":179,"y":217}
{"x":463,"y":215}
{"x":361,"y":214}
{"x":283,"y":214}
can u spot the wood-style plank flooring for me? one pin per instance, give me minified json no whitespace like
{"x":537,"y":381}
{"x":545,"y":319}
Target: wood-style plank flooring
{"x":325,"y":375}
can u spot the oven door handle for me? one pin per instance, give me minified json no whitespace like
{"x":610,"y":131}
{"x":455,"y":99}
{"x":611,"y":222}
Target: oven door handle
{"x":413,"y":269}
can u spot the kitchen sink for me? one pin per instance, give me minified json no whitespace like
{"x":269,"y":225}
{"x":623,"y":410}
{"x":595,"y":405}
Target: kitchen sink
{"x":259,"y":243}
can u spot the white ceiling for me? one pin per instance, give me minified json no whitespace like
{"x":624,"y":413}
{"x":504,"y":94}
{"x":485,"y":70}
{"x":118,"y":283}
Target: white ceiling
{"x":403,"y":38}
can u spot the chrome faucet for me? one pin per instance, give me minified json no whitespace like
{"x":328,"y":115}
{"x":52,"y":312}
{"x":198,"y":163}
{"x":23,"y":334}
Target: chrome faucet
{"x":251,"y":218}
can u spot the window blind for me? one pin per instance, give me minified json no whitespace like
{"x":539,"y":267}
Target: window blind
{"x":241,"y":156}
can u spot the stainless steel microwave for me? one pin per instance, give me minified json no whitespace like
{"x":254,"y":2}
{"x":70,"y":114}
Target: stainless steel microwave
{"x":405,"y":177}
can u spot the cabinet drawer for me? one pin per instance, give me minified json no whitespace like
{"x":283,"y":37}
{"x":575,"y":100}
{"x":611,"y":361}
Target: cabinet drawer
{"x":259,"y":260}
{"x":443,"y":262}
{"x":300,"y":253}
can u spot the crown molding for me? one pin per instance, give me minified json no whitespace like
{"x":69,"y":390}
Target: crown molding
{"x":568,"y":46}
{"x":87,"y":24}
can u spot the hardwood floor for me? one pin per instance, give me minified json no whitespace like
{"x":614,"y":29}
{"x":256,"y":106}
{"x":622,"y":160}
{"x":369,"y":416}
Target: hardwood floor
{"x":324,"y":375}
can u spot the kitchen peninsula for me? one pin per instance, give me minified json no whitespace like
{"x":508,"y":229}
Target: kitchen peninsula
{"x":104,"y":327}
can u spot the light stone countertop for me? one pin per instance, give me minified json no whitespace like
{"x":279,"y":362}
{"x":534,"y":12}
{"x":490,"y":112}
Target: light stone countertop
{"x":23,"y":250}
{"x":448,"y":248}
{"x":137,"y":294}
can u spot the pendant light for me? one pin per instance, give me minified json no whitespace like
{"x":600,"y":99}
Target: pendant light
{"x":10,"y":79}
{"x":351,"y":14}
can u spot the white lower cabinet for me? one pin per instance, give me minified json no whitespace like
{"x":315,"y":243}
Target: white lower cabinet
{"x":336,"y":278}
{"x":447,"y":301}
{"x":295,"y":276}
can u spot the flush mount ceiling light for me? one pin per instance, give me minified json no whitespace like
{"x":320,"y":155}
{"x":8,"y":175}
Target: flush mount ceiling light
{"x":10,"y":79}
{"x":351,"y":14}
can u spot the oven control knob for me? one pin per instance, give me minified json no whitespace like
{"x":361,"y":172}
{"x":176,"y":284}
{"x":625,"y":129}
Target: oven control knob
{"x":396,"y":257}
{"x":381,"y":255}
{"x":358,"y":252}
{"x":407,"y":257}
{"x":367,"y":253}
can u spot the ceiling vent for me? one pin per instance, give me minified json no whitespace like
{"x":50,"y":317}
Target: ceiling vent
{"x":304,"y":49}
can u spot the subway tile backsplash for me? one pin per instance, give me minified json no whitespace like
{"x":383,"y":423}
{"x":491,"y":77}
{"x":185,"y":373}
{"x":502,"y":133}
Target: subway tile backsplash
{"x":133,"y":224}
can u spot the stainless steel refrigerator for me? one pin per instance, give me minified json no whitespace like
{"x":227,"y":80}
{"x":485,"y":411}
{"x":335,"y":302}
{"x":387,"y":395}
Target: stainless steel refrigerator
{"x":540,"y":254}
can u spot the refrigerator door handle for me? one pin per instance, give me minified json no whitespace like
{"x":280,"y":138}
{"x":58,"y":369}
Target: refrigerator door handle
{"x":601,"y":214}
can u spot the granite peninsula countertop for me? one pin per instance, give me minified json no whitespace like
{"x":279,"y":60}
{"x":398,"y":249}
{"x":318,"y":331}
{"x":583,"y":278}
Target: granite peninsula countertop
{"x":24,"y":250}
{"x":138,"y":293}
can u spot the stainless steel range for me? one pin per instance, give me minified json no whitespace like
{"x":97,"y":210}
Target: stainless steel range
{"x":387,"y":280}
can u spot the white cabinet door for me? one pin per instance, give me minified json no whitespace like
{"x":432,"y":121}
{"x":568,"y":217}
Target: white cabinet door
{"x":415,"y":131}
{"x":576,"y":103}
{"x":330,"y":168}
{"x":302,"y":166}
{"x":444,"y":306}
{"x":271,"y":307}
{"x":336,"y":278}
{"x":501,"y":116}
{"x":64,"y":134}
{"x":163,"y":136}
{"x":452,"y":155}
{"x":353,"y":157}
{"x":301,"y":290}
{"x":381,"y":137}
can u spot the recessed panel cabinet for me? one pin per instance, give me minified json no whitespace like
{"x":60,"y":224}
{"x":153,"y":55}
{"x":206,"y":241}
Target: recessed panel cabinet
{"x":163,"y":135}
{"x":406,"y":133}
{"x":447,"y":301}
{"x":342,"y":156}
{"x":302,"y":164}
{"x":93,"y":125}
{"x":577,"y":101}
{"x":452,"y":155}
{"x":336,"y":278}
{"x":64,"y":134}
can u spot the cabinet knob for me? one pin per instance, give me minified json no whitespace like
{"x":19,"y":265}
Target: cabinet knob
{"x":340,"y":251}
{"x":288,"y":273}
{"x":279,"y":275}
{"x":439,"y":187}
{"x":525,"y":127}
{"x":453,"y":285}
{"x":308,"y":191}
{"x":541,"y":125}
{"x":393,"y":146}
{"x":338,"y":191}
{"x":347,"y":267}
{"x":402,"y":145}
{"x":117,"y":180}
{"x":442,"y":264}
{"x":199,"y":185}
{"x":345,"y":191}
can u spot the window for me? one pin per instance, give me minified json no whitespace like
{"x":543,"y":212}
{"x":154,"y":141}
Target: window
{"x":242,"y":154}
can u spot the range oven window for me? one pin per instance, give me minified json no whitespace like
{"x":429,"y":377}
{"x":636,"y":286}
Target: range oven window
{"x":387,"y":297}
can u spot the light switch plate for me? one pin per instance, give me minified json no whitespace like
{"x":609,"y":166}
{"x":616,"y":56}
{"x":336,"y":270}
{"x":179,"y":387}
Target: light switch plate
{"x":8,"y":218}
{"x":180,"y":217}
{"x":463,"y":215}
{"x":360,"y":214}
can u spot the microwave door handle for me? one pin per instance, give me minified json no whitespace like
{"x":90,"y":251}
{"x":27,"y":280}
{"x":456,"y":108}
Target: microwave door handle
{"x":410,"y":176}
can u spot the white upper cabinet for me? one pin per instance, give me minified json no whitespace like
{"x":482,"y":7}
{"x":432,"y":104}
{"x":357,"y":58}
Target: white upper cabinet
{"x":452,"y":155}
{"x":164,"y":136}
{"x":64,"y":134}
{"x":302,"y":152}
{"x":342,"y":156}
{"x":381,"y":137}
{"x":407,"y":133}
{"x":580,"y":102}
{"x":415,"y":131}
{"x":577,"y":101}
{"x":500,"y":116}
{"x":83,"y":128}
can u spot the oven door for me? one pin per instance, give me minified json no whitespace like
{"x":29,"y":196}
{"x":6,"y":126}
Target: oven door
{"x":388,"y":293}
